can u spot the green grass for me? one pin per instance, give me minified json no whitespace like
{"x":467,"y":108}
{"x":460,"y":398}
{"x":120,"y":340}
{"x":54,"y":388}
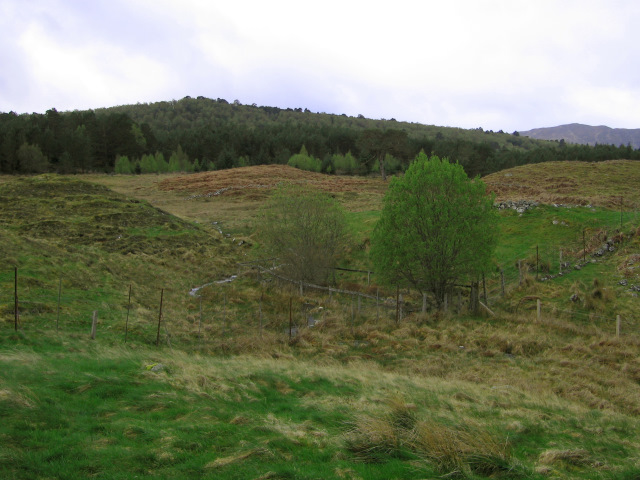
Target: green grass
{"x":71,"y":408}
{"x":524,"y":399}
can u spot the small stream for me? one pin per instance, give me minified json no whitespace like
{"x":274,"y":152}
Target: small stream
{"x":194,"y":291}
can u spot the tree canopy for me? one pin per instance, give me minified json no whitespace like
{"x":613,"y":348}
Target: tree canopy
{"x":221,"y":135}
{"x":437,"y":227}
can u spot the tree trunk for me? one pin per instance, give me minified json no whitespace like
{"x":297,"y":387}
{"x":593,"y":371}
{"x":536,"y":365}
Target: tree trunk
{"x":383,"y":174}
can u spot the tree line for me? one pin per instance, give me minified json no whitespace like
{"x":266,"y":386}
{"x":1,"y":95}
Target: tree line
{"x":207,"y":134}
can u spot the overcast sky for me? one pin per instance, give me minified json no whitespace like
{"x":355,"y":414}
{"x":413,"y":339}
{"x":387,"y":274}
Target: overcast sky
{"x":496,"y":64}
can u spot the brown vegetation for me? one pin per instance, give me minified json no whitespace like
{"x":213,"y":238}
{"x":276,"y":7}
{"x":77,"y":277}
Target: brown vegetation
{"x":573,"y":183}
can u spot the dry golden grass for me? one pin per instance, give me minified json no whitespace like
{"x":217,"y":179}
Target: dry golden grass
{"x":254,"y":181}
{"x":238,"y":457}
{"x":575,"y":183}
{"x":241,"y":191}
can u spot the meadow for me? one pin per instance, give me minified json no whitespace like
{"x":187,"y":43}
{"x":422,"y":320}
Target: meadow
{"x":230,"y":392}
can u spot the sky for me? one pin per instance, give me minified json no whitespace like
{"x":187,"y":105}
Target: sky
{"x":497,"y":64}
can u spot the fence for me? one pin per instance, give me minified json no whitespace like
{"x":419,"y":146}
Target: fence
{"x":220,"y":310}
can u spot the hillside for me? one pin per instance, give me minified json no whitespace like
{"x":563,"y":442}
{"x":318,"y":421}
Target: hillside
{"x":586,"y":134}
{"x":241,"y":386}
{"x":573,"y":183}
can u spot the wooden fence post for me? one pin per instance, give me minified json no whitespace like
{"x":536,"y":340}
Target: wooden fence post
{"x":424,"y":303}
{"x":538,"y":309}
{"x":620,"y":212}
{"x":352,"y":315}
{"x":94,"y":325}
{"x":260,"y":313}
{"x":58,"y":309}
{"x":200,"y":318}
{"x":484,"y":289}
{"x":224,"y":316}
{"x":617,"y":325}
{"x":159,"y":318}
{"x":16,"y":299}
{"x":290,"y":317}
{"x":126,"y":325}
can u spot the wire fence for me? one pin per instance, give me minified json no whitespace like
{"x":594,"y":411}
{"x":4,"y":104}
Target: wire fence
{"x":219,"y":310}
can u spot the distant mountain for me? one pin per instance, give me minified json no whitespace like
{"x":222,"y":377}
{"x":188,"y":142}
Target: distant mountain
{"x":586,"y":134}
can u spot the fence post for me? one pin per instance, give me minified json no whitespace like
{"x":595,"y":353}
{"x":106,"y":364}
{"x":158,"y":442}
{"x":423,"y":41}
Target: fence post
{"x":94,"y":325}
{"x":484,"y":289}
{"x":538,"y":309}
{"x":200,"y":318}
{"x":260,"y":313}
{"x":397,"y":304}
{"x":16,"y":299}
{"x":352,"y":315}
{"x":290,"y":316}
{"x":159,"y":318}
{"x":224,"y":316}
{"x":617,"y":325}
{"x":620,"y":212}
{"x":519,"y":272}
{"x":126,"y":325}
{"x":377,"y":304}
{"x":58,"y":309}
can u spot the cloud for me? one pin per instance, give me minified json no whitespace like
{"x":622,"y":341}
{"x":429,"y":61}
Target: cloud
{"x":498,"y":64}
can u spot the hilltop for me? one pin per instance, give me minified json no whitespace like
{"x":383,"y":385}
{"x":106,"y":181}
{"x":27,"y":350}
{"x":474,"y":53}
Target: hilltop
{"x":573,"y":183}
{"x":587,"y":134}
{"x":194,"y":135}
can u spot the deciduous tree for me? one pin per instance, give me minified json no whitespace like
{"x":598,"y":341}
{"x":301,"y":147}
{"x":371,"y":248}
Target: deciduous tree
{"x":437,"y":227}
{"x":305,"y":229}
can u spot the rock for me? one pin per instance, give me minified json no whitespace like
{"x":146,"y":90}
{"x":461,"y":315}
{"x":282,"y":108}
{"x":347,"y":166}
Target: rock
{"x":574,"y":298}
{"x":156,"y":367}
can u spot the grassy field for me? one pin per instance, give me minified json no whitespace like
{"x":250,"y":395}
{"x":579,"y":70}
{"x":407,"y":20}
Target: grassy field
{"x":229,"y":394}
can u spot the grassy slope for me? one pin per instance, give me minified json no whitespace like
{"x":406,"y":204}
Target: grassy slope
{"x":563,"y":392}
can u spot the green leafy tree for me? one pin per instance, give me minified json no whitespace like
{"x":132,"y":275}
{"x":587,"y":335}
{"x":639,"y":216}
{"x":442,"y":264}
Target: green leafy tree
{"x":148,"y":164}
{"x":161,"y":163}
{"x":437,"y":228}
{"x":304,"y":161}
{"x":123,"y":165}
{"x":305,"y":229}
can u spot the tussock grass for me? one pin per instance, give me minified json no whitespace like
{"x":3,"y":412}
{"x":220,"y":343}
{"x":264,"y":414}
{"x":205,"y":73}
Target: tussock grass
{"x":433,"y":395}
